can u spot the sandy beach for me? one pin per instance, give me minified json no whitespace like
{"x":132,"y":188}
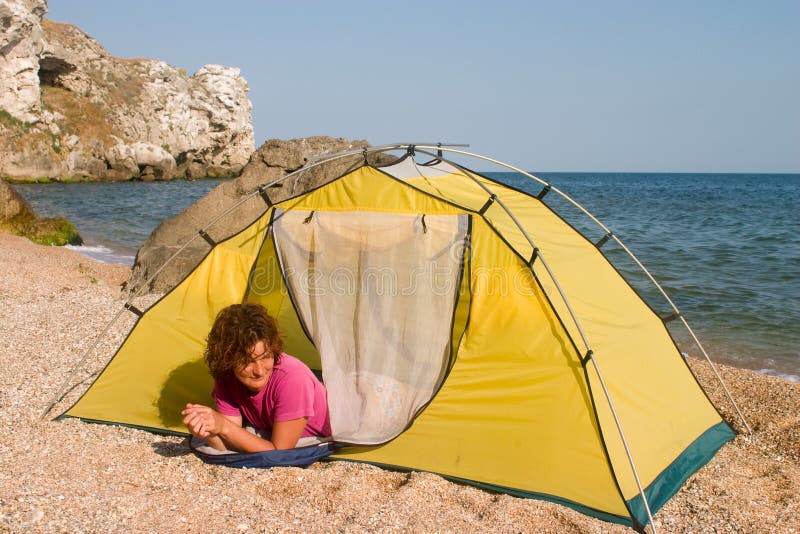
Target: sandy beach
{"x":74,"y":476}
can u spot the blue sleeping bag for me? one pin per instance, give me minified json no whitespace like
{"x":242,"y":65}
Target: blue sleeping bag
{"x":297,"y":457}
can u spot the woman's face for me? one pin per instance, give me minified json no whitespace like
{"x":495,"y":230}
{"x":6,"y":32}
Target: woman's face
{"x":255,"y":374}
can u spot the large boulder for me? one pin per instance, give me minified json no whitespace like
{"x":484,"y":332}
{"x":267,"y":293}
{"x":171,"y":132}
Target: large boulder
{"x":122,"y":159}
{"x":17,"y":216}
{"x":154,"y":160}
{"x":275,"y":158}
{"x":65,"y":99}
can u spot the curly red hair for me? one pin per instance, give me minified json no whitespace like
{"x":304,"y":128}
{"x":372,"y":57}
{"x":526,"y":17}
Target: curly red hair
{"x":236,"y":330}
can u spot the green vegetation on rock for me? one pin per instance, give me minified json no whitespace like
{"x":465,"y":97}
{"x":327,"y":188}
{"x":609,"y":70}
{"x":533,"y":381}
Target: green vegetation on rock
{"x":17,"y":216}
{"x":56,"y":231}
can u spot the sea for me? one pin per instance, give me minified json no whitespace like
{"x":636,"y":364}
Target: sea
{"x":725,"y":247}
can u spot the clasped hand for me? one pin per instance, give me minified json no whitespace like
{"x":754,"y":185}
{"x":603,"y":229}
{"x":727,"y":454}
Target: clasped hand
{"x":203,"y":421}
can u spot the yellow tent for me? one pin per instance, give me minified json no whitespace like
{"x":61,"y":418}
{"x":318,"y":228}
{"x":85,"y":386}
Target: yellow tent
{"x":461,"y":326}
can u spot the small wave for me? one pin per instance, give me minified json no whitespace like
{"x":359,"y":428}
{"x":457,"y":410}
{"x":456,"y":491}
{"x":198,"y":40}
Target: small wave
{"x":104,"y":254}
{"x":788,"y":377}
{"x":763,"y":370}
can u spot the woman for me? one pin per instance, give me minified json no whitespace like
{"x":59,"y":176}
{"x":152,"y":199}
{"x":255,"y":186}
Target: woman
{"x":255,"y":381}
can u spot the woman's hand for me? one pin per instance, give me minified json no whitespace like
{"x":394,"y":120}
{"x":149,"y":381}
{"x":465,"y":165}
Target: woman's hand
{"x":203,"y":421}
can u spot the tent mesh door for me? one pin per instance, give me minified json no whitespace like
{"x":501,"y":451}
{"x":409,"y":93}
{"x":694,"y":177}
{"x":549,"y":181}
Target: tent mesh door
{"x":377,"y":293}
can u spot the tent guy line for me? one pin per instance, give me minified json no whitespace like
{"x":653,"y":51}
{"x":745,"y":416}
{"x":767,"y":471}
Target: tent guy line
{"x":429,"y":363}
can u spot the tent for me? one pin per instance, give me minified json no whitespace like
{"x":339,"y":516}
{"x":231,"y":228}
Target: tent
{"x":461,"y":327}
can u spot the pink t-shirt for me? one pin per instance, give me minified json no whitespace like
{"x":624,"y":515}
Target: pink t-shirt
{"x":292,"y":391}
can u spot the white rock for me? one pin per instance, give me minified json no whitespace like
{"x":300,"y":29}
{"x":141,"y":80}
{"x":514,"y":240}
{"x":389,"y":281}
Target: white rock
{"x":156,"y":157}
{"x":205,"y":119}
{"x":121,"y":157}
{"x":20,"y":45}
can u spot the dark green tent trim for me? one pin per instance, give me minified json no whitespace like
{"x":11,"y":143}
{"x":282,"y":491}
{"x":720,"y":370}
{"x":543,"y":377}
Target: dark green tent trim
{"x":696,"y":455}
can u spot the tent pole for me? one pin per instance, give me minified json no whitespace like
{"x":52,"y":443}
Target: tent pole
{"x":533,"y":247}
{"x":716,"y":373}
{"x":688,"y":328}
{"x":448,"y":148}
{"x":624,"y":442}
{"x":583,"y":338}
{"x":628,"y":252}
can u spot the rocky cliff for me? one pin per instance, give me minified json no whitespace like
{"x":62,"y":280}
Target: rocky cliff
{"x":70,"y":110}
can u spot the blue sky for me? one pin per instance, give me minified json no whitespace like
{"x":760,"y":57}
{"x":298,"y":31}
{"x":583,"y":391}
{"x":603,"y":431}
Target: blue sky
{"x":708,"y":86}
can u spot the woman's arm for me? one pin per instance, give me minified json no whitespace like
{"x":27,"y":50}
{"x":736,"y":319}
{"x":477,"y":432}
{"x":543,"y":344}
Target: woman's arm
{"x":285,"y":435}
{"x":226,"y":432}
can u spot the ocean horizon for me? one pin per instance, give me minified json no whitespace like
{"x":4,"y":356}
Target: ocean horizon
{"x":725,"y":246}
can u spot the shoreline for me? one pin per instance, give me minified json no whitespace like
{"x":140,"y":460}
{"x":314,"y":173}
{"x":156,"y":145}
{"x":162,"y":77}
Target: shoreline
{"x":71,"y":475}
{"x":103,"y":254}
{"x":17,"y":180}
